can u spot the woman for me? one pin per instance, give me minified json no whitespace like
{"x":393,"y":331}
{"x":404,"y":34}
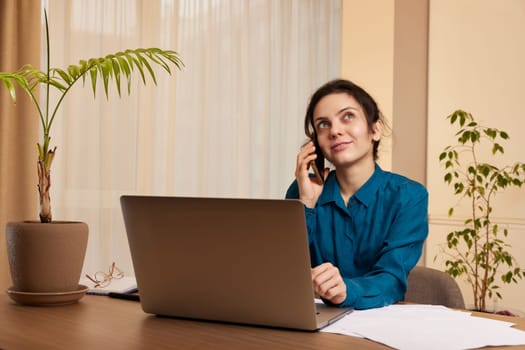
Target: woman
{"x":366,"y":226}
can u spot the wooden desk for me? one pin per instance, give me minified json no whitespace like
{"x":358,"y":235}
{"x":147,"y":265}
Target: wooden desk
{"x":99,"y":322}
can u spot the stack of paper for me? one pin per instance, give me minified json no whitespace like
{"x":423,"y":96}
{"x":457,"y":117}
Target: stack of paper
{"x":126,"y":284}
{"x":427,"y":327}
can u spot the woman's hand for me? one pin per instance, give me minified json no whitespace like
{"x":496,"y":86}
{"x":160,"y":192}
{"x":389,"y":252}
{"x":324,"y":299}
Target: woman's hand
{"x":328,"y":283}
{"x":309,"y":187}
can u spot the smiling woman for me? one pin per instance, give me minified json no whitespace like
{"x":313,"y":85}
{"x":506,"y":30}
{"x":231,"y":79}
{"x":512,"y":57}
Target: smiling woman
{"x":366,"y":226}
{"x":224,"y":126}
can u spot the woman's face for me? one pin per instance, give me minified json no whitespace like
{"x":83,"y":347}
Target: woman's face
{"x":342,"y":130}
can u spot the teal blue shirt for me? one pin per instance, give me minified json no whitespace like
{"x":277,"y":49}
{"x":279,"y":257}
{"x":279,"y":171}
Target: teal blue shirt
{"x":374,"y":241}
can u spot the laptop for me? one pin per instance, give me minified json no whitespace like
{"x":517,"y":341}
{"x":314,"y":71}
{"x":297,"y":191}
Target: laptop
{"x":221,"y":259}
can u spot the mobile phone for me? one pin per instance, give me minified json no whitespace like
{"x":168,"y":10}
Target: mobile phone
{"x":318,"y":175}
{"x":318,"y":164}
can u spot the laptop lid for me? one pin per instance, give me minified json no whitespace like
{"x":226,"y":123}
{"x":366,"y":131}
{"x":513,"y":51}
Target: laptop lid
{"x":222,"y":259}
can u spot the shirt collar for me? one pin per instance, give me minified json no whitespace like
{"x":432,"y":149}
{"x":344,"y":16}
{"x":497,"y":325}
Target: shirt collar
{"x":366,"y":194}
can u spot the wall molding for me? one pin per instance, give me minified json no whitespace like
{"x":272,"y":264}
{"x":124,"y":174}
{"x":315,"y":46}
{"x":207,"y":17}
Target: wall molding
{"x":510,"y":222}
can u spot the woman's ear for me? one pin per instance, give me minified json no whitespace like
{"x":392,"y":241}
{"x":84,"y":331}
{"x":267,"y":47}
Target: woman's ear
{"x":377,"y":130}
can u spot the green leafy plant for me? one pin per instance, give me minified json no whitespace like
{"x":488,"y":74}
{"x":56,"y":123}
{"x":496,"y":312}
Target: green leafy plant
{"x":478,"y":251}
{"x":114,"y":67}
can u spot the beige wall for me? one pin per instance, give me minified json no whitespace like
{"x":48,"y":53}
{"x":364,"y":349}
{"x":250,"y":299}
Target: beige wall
{"x":410,"y":89}
{"x":368,"y":54}
{"x":384,"y":49}
{"x":476,"y":63}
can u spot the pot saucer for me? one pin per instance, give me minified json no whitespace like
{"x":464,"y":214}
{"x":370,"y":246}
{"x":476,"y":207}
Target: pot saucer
{"x":47,"y":299}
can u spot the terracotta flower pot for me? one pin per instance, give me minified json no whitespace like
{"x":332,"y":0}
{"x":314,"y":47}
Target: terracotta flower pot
{"x":46,"y":257}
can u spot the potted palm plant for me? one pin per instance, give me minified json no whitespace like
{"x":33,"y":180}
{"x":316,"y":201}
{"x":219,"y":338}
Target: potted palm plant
{"x":34,"y":268}
{"x":478,"y":251}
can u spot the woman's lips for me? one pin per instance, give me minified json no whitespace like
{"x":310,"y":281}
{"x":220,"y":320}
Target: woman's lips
{"x":340,"y":146}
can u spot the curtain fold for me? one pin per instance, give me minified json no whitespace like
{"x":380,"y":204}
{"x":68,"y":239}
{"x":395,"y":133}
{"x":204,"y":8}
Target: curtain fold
{"x":229,"y":124}
{"x":19,"y":44}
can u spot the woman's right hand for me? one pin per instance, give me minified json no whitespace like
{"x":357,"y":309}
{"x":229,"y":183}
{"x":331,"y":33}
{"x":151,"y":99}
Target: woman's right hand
{"x":309,"y":187}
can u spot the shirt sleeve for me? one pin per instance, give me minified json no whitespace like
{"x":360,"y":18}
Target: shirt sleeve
{"x":386,"y":282}
{"x":310,"y":213}
{"x":293,"y":191}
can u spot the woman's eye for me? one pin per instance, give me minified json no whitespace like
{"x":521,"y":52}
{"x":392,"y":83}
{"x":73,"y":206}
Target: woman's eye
{"x":348,"y":116}
{"x":322,"y":125}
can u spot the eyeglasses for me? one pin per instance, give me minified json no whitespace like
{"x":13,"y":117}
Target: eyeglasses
{"x":102,"y":279}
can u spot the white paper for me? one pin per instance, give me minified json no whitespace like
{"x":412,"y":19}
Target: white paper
{"x":416,"y":327}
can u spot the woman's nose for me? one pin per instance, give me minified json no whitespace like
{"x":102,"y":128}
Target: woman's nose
{"x":336,"y":129}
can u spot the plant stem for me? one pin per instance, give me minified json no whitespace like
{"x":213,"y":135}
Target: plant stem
{"x":476,"y":238}
{"x":48,"y":69}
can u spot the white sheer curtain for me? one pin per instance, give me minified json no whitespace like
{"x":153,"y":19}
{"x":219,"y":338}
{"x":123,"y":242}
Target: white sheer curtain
{"x":228,"y":125}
